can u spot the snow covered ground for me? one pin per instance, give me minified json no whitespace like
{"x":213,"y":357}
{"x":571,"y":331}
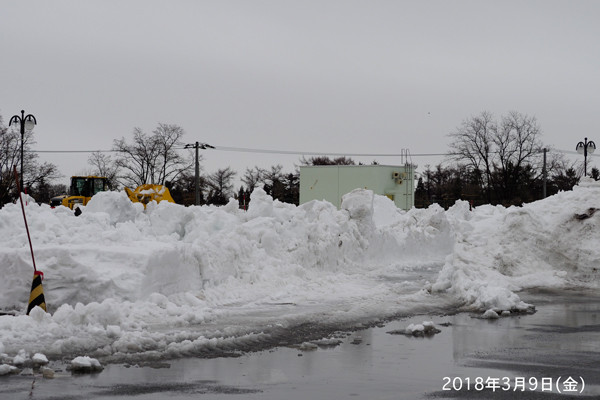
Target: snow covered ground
{"x":124,"y":283}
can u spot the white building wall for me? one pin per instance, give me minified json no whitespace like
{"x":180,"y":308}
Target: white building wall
{"x":331,"y":182}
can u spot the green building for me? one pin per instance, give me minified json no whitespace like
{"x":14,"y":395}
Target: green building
{"x":331,"y":182}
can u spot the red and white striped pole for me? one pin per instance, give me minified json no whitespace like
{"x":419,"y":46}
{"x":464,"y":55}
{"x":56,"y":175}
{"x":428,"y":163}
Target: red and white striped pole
{"x":36,"y":297}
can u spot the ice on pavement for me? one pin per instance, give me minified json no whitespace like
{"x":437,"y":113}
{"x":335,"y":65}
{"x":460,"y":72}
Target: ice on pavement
{"x":122,"y":282}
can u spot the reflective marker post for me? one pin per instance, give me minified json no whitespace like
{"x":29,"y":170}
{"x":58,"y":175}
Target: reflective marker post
{"x":36,"y":297}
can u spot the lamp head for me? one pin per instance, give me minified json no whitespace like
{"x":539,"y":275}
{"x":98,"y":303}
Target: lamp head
{"x":30,"y":122}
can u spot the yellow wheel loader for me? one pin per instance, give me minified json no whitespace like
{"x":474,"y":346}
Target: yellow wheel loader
{"x":84,"y":187}
{"x":81,"y":191}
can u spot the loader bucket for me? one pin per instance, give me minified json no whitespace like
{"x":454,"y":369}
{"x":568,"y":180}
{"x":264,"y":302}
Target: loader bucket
{"x":148,"y":192}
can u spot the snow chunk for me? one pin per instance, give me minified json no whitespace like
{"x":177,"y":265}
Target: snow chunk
{"x":85,"y":364}
{"x":307,"y":346}
{"x":385,"y":212}
{"x":116,"y":204}
{"x":39,"y":359}
{"x":490,"y":314}
{"x":38,"y":314}
{"x":359,"y":204}
{"x":21,"y":358}
{"x":327,"y":342}
{"x":261,"y":204}
{"x":113,"y":331}
{"x":427,"y":328}
{"x":6,"y":369}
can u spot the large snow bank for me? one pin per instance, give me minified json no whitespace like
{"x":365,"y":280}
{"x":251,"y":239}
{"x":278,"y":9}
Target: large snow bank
{"x":549,"y":243}
{"x":170,"y":280}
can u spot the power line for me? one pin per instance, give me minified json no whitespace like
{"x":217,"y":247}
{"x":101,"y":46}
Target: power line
{"x":316,"y":153}
{"x":74,"y":151}
{"x":266,"y":151}
{"x":292,"y":152}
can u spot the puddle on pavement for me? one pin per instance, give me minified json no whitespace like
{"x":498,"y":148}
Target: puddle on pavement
{"x":369,"y":363}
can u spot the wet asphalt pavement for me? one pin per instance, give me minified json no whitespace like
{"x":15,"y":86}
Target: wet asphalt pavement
{"x":517,"y":357}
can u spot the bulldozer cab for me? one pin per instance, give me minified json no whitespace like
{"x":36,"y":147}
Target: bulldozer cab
{"x":87,"y":186}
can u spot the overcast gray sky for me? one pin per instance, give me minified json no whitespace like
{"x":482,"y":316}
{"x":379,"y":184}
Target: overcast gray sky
{"x":328,"y":76}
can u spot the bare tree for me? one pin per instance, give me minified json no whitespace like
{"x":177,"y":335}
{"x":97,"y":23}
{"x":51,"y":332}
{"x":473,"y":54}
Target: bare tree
{"x":517,"y":140}
{"x":152,"y":159}
{"x":472,"y":144}
{"x":324,"y":160}
{"x":272,"y":176}
{"x":220,"y":183}
{"x":104,"y":166}
{"x":273,"y":182}
{"x":45,"y":172}
{"x":252,"y":177}
{"x":136,"y":159}
{"x":170,"y":164}
{"x":10,"y":156}
{"x":517,"y":147}
{"x":504,"y":154}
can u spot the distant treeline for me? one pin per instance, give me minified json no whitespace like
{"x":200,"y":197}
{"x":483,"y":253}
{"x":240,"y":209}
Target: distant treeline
{"x":445,"y":185}
{"x":490,"y":161}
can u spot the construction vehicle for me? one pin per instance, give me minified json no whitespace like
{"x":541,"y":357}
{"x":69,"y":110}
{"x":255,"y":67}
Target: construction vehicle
{"x":84,"y":187}
{"x":148,"y":192}
{"x":81,"y":191}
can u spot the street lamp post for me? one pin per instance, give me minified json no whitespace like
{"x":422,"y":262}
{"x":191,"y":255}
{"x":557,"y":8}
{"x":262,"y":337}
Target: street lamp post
{"x":584,"y":148}
{"x":27,"y":123}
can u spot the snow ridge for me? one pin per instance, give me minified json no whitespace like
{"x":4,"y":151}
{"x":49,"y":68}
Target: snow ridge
{"x":124,"y":282}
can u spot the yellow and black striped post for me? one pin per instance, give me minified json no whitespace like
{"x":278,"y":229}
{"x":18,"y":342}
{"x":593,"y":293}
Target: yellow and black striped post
{"x":36,"y":298}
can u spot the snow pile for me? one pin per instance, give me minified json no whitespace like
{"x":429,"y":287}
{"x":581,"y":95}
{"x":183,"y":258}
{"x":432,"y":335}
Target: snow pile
{"x":116,"y":205}
{"x":123,"y":282}
{"x":23,"y":359}
{"x":549,"y":243}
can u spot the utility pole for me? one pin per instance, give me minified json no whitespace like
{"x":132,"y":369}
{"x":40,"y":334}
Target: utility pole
{"x":197,"y":146}
{"x":544,"y":174}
